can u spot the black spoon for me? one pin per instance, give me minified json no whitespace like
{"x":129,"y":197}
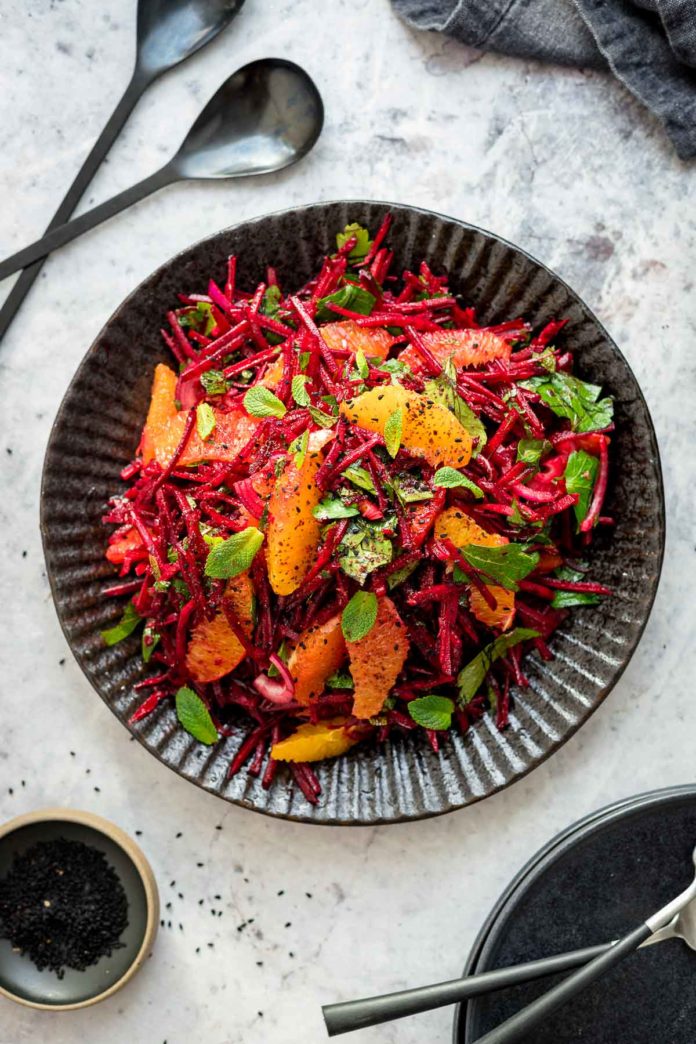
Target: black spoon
{"x":265,"y":117}
{"x":168,"y":32}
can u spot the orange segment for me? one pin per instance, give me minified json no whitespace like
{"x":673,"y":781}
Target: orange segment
{"x":376,"y":659}
{"x":165,"y":426}
{"x":372,"y":342}
{"x":315,"y":656}
{"x":504,"y":612}
{"x":117,"y":551}
{"x":429,"y":430}
{"x":293,"y":532}
{"x":273,"y":375}
{"x":455,"y":525}
{"x":465,"y":347}
{"x":214,"y":649}
{"x":326,"y":739}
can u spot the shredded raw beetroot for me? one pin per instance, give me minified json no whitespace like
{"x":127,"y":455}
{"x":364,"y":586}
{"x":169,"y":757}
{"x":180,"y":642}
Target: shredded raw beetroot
{"x":531,"y":494}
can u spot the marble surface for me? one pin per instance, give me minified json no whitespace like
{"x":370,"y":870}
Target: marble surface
{"x":562,"y":162}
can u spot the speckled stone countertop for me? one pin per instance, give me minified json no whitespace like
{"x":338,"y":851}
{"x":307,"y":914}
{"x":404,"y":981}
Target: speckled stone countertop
{"x":264,"y":920}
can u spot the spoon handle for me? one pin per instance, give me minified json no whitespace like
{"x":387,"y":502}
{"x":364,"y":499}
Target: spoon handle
{"x":371,"y":1011}
{"x":65,"y":233}
{"x":19,"y":291}
{"x":523,"y":1022}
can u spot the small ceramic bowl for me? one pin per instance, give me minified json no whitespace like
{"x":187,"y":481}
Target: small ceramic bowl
{"x":20,"y":979}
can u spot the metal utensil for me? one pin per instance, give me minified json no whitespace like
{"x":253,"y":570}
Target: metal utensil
{"x":371,"y":1011}
{"x":522,"y":1022}
{"x":168,"y":31}
{"x":265,"y":117}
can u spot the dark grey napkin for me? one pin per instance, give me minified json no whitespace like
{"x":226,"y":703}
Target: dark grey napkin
{"x":650,"y":45}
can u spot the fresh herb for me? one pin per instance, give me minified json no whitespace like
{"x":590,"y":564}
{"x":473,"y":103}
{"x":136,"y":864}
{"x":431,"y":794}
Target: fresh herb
{"x":261,"y":402}
{"x":568,"y":599}
{"x":432,"y":712}
{"x":470,"y":677}
{"x":299,"y":390}
{"x":399,"y":575}
{"x":393,"y":430}
{"x":149,"y":643}
{"x":411,"y":490}
{"x":340,"y":680}
{"x":505,"y":564}
{"x":283,"y":654}
{"x":443,"y":390}
{"x":234,"y":555}
{"x":360,"y":477}
{"x":450,"y":478}
{"x":530,"y":451}
{"x":580,"y":477}
{"x":331,"y":508}
{"x":205,"y":420}
{"x":303,"y":360}
{"x":270,"y":302}
{"x":214,"y":382}
{"x":363,"y":241}
{"x":361,"y":364}
{"x":324,"y":420}
{"x":299,"y":446}
{"x":194,"y":716}
{"x":576,"y":400}
{"x":394,"y":366}
{"x":125,"y":626}
{"x":199,"y":318}
{"x":359,"y":616}
{"x":364,"y":548}
{"x":350,"y":296}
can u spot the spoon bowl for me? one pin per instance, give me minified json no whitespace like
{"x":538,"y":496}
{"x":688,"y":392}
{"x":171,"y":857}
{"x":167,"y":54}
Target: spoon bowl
{"x":265,"y":117}
{"x":171,"y":30}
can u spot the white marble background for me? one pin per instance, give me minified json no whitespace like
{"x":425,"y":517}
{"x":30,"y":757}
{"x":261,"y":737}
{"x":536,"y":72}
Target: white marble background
{"x":564,"y":163}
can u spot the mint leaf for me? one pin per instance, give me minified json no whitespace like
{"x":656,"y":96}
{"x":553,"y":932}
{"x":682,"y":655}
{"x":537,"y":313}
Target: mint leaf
{"x":149,"y":642}
{"x":359,"y":616}
{"x":443,"y":390}
{"x":125,"y":626}
{"x":299,"y":446}
{"x":340,"y":680}
{"x":505,"y":564}
{"x":362,"y":245}
{"x":360,"y":477}
{"x":450,"y":478}
{"x":361,"y":364}
{"x":394,"y":366}
{"x":270,"y":302}
{"x":364,"y":548}
{"x":393,"y":430}
{"x":194,"y":716}
{"x":261,"y":402}
{"x":432,"y":712}
{"x":205,"y":420}
{"x":324,"y":420}
{"x":299,"y":391}
{"x":350,"y":296}
{"x":411,"y":490}
{"x":530,"y":451}
{"x":214,"y":382}
{"x":199,"y":318}
{"x":399,"y":575}
{"x":569,"y":599}
{"x":303,"y":360}
{"x":331,"y":507}
{"x":580,"y":476}
{"x":234,"y":555}
{"x":576,"y":400}
{"x":470,"y":677}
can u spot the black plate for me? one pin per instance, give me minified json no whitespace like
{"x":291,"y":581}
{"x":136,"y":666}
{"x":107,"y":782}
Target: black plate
{"x":591,"y":884}
{"x":98,"y":427}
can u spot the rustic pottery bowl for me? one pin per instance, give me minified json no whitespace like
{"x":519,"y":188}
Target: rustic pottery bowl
{"x":20,"y":979}
{"x":98,"y":427}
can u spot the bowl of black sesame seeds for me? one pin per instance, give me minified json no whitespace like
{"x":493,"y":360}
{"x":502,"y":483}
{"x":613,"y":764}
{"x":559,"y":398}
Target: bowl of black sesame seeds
{"x":79,"y":909}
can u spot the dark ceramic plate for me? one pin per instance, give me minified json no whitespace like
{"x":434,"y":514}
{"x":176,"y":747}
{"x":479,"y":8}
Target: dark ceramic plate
{"x":96,"y":432}
{"x":617,"y":867}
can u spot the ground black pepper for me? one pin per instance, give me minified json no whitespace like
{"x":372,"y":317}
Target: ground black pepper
{"x":63,"y":905}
